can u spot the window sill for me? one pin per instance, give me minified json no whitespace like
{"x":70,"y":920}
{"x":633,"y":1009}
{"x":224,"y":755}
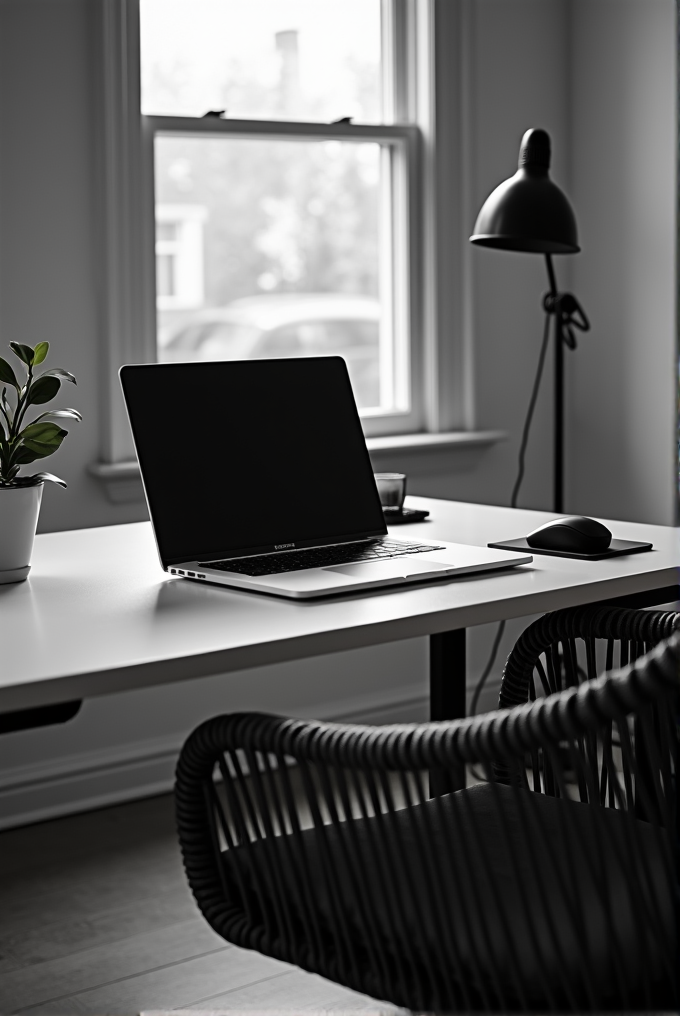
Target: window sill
{"x":122,"y":482}
{"x":451,"y":439}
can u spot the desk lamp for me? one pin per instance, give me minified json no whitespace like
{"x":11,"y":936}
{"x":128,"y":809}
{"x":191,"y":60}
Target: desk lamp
{"x":530,"y":213}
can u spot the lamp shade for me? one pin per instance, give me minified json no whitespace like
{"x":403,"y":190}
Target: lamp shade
{"x":528,"y":212}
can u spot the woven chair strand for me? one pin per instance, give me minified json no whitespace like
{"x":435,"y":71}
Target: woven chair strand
{"x":406,"y":748}
{"x":643,"y":628}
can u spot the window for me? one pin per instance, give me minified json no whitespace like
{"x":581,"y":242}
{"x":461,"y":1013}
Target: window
{"x":179,"y":257}
{"x":318,"y":214}
{"x":297,"y":242}
{"x":266,"y":60}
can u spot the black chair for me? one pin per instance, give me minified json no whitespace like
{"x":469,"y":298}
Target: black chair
{"x":607,"y":637}
{"x":564,"y":648}
{"x":318,"y":844}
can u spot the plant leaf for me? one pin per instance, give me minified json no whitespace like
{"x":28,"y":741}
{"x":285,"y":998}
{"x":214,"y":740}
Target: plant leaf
{"x":40,"y":450}
{"x":65,"y":375}
{"x":38,"y":440}
{"x":7,"y":478}
{"x":7,"y":375}
{"x":6,"y":409}
{"x":40,"y":352}
{"x":25,"y":353}
{"x":42,"y":432}
{"x":45,"y":447}
{"x":21,"y":456}
{"x":71,"y":414}
{"x":29,"y":451}
{"x":43,"y":389}
{"x":41,"y":478}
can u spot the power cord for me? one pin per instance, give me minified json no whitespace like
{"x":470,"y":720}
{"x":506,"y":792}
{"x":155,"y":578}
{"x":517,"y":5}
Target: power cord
{"x":530,"y":412}
{"x":513,"y":501}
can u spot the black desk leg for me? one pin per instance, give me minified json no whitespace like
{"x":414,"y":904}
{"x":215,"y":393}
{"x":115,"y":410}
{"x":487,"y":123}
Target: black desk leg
{"x":447,"y":696}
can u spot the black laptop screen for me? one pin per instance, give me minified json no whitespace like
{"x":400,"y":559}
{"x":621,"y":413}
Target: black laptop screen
{"x":242,"y":457}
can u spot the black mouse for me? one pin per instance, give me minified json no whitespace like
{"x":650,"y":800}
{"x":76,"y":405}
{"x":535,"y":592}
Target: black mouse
{"x":574,"y":534}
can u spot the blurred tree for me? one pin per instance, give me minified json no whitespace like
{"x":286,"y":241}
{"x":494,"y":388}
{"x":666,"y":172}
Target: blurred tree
{"x":282,"y":216}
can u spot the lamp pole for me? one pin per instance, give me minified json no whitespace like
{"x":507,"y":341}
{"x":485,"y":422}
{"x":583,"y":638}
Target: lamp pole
{"x":568,"y":315}
{"x":558,"y":398}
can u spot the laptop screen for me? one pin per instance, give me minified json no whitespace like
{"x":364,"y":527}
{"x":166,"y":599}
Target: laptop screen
{"x":249,"y":456}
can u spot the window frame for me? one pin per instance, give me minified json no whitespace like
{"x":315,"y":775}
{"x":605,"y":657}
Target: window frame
{"x":424,"y":82}
{"x":400,"y":143}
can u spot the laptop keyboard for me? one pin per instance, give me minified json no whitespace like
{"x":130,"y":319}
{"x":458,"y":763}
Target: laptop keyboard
{"x":322,"y":557}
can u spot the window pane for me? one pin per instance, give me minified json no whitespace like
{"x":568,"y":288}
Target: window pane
{"x":166,"y":231}
{"x":165,"y":275}
{"x":272,"y":59}
{"x":276,"y":252}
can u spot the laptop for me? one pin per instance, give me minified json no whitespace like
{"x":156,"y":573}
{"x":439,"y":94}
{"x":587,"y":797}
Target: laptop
{"x":257,"y":476}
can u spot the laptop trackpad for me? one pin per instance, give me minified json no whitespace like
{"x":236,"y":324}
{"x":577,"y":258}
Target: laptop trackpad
{"x":400,"y":567}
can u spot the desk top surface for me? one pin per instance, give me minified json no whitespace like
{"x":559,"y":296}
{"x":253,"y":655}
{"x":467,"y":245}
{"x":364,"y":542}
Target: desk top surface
{"x":99,"y":615}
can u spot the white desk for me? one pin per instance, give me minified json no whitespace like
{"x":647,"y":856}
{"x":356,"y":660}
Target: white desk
{"x":98,"y":615}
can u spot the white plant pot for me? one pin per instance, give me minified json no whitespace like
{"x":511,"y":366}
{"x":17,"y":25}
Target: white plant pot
{"x":19,"y":509}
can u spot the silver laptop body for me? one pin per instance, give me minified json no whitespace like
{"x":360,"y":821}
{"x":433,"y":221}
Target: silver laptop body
{"x":257,"y":476}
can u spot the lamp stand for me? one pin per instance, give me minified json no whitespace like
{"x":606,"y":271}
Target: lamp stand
{"x":568,"y":315}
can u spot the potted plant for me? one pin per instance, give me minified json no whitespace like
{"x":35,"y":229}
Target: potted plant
{"x":22,"y":442}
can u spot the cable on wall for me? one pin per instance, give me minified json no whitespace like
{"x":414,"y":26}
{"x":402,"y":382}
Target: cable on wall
{"x":513,"y":501}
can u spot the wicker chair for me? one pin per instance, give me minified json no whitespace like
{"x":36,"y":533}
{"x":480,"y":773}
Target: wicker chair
{"x":563,"y":649}
{"x":619,"y":634}
{"x":318,"y":844}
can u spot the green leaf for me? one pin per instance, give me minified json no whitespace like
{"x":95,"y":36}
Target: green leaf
{"x":31,"y":448}
{"x":41,"y":451}
{"x":44,"y":433}
{"x":25,"y":353}
{"x":43,"y":389}
{"x":7,"y":375}
{"x":22,"y":456}
{"x":38,"y":440}
{"x":40,"y":352}
{"x":65,"y":375}
{"x":69,"y":414}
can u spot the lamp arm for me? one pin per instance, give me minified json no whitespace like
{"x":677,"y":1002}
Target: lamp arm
{"x":551,"y":279}
{"x":568,"y":311}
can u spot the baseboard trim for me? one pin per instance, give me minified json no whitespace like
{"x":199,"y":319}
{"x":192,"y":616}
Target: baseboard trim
{"x":97,"y":779}
{"x":90,"y":779}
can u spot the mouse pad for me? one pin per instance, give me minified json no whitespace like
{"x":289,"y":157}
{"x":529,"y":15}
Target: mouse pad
{"x":615,"y":548}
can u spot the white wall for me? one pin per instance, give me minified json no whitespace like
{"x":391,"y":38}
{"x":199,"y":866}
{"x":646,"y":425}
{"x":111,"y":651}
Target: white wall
{"x":47,"y":277}
{"x":526,"y":59}
{"x":623,"y":183}
{"x":519,"y":74}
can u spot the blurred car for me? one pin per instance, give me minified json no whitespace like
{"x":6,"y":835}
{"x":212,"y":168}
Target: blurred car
{"x":286,"y":324}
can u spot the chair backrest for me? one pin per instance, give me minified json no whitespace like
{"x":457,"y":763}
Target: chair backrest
{"x":319,"y":844}
{"x":567,"y":647}
{"x":548,"y":649}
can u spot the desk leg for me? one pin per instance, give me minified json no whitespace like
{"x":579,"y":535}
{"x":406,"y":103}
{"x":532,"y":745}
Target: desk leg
{"x":447,"y":695}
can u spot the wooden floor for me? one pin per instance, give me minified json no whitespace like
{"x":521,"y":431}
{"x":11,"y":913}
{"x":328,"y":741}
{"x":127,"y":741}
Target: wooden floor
{"x":96,"y":918}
